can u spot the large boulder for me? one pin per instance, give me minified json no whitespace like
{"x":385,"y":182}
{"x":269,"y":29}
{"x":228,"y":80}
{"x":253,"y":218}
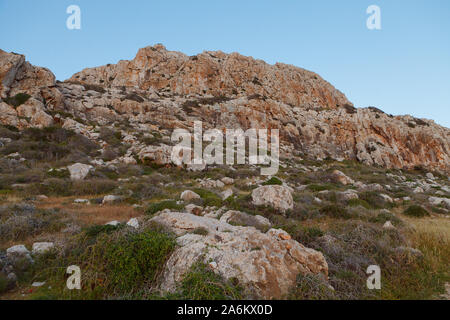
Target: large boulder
{"x":278,"y":197}
{"x":265,"y":264}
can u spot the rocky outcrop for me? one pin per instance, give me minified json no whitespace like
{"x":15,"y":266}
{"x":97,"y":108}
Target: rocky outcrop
{"x":218,"y":74}
{"x":230,"y":90}
{"x":265,"y":264}
{"x":19,"y":77}
{"x":163,"y":90}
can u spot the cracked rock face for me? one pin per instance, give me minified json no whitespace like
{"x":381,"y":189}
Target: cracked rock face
{"x":266,"y":264}
{"x":160,"y":90}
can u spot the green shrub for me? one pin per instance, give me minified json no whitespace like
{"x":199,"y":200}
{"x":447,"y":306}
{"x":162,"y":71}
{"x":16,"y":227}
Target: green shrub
{"x":159,"y":206}
{"x":416,"y":211}
{"x":136,"y":259}
{"x":318,"y":187}
{"x":374,"y":199}
{"x":59,"y":173}
{"x":94,"y":231}
{"x":273,"y":181}
{"x":17,"y":100}
{"x":359,"y":202}
{"x":209,"y":198}
{"x":117,"y":263}
{"x":335,"y":211}
{"x":201,"y":283}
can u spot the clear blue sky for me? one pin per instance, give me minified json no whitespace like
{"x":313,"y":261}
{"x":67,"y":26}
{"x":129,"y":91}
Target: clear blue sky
{"x":402,"y":69}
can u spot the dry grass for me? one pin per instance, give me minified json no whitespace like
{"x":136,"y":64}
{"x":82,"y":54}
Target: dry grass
{"x":91,"y":214}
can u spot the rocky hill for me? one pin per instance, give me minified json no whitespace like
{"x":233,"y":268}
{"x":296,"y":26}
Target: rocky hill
{"x":86,"y":179}
{"x":160,"y":90}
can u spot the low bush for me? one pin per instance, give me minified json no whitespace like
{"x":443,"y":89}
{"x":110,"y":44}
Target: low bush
{"x":159,"y":206}
{"x":273,"y":181}
{"x":359,"y":202}
{"x":335,"y":211}
{"x":17,"y":100}
{"x":116,"y":264}
{"x":201,"y":283}
{"x":209,"y":198}
{"x":416,"y":211}
{"x":311,"y":287}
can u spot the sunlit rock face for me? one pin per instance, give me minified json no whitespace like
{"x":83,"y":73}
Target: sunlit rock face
{"x":160,"y":90}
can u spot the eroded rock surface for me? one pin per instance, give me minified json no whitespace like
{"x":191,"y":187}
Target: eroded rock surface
{"x":266,"y":264}
{"x":160,"y":90}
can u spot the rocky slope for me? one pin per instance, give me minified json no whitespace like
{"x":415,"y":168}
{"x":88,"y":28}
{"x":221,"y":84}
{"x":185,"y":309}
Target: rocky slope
{"x":160,"y":90}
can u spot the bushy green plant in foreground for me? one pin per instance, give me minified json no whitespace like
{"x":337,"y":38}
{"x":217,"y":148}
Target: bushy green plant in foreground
{"x":119,"y":264}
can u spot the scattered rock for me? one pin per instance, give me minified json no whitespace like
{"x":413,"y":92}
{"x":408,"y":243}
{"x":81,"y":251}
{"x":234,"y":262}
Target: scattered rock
{"x":113,"y":223}
{"x":340,"y":177}
{"x":388,"y":225}
{"x":278,"y":197}
{"x":37,"y":284}
{"x":79,"y":171}
{"x":193,"y":209}
{"x":41,"y":197}
{"x":227,"y":180}
{"x":110,"y":199}
{"x":17,"y":253}
{"x":226,"y":194}
{"x":418,"y":190}
{"x":438,"y":201}
{"x":81,"y":201}
{"x":265,"y":264}
{"x":133,"y":222}
{"x":42,"y":247}
{"x":348,"y":195}
{"x":189,"y":195}
{"x":386,"y":198}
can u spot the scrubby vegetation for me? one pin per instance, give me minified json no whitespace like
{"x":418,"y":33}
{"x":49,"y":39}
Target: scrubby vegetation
{"x":120,"y":262}
{"x":416,"y":211}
